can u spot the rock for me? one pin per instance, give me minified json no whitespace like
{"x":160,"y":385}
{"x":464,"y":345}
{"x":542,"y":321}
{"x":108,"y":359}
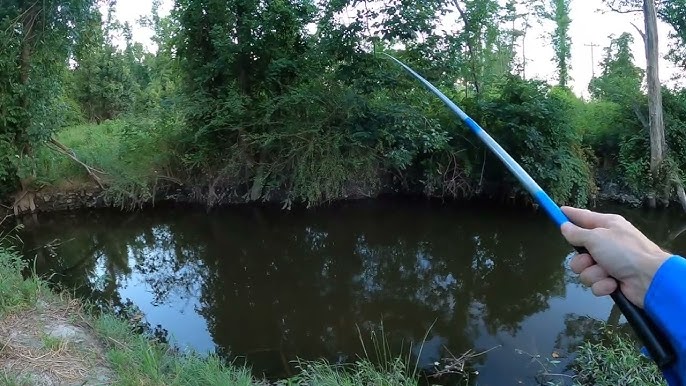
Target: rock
{"x":65,"y":332}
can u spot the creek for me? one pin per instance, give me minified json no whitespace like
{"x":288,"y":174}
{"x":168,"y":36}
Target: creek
{"x":266,"y":286}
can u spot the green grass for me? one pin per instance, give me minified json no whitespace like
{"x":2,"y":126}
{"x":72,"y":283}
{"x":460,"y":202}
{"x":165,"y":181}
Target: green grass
{"x":137,"y":360}
{"x":51,"y":342}
{"x":615,"y":361}
{"x":9,"y":380}
{"x":15,"y":292}
{"x":133,"y":154}
{"x":363,"y":372}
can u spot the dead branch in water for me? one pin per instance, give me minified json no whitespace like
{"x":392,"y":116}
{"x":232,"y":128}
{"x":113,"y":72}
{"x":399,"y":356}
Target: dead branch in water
{"x":456,"y":365}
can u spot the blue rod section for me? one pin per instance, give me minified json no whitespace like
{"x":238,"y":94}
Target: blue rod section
{"x":548,"y":205}
{"x":656,"y":343}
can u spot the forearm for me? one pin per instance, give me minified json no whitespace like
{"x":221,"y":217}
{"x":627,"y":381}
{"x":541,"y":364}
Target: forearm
{"x":665,"y":303}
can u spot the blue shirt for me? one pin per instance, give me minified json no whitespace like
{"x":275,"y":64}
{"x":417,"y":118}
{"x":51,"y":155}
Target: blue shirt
{"x":665,"y":303}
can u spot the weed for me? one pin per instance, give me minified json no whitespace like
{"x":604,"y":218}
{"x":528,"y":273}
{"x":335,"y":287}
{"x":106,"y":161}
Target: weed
{"x":615,"y":361}
{"x":51,"y":343}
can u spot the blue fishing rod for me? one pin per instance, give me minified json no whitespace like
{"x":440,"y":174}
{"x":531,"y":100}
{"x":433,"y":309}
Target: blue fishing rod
{"x":654,"y":340}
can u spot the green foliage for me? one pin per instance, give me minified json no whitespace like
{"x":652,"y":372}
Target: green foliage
{"x":558,"y":11}
{"x":137,"y":360}
{"x":102,"y":81}
{"x":673,"y":12}
{"x":621,"y":78}
{"x":36,"y":39}
{"x":15,"y":291}
{"x":134,"y":155}
{"x":615,"y":361}
{"x":362,"y":372}
{"x":533,"y":123}
{"x":249,"y":97}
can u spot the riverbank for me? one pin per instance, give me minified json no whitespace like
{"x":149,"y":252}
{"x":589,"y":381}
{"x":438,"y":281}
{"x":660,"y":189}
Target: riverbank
{"x":130,"y":164}
{"x":51,"y":339}
{"x":124,"y":349}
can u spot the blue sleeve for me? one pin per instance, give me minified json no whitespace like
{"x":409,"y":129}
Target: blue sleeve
{"x":665,"y":303}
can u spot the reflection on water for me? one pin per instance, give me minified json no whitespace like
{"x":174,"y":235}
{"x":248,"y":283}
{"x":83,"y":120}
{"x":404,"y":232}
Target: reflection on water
{"x":272,"y":286}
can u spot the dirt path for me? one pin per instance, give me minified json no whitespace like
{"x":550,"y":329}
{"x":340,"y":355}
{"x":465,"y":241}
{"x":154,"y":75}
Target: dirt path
{"x":51,"y":344}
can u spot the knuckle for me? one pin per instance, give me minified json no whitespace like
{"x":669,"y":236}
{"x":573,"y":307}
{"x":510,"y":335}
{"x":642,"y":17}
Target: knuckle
{"x":618,"y":220}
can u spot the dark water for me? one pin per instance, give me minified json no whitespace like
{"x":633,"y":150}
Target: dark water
{"x":270,"y":286}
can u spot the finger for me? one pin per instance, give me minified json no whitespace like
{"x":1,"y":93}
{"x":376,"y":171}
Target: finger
{"x":604,"y":287}
{"x":578,"y":237}
{"x":588,"y":219}
{"x":581,"y":262}
{"x":593,"y":274}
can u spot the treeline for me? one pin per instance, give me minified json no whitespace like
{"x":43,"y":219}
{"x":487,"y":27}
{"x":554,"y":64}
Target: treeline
{"x":293,"y":99}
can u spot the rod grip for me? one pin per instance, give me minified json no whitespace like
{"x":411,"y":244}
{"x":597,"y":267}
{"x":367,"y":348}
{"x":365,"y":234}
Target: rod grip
{"x":659,"y":348}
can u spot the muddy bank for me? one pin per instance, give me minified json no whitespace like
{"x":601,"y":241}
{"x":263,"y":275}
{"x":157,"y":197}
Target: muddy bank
{"x":210,"y":195}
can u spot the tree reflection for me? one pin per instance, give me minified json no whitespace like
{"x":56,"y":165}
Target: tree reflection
{"x":273,"y":286}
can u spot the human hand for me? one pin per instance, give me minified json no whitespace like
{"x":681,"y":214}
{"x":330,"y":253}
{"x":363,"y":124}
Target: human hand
{"x":617,"y":251}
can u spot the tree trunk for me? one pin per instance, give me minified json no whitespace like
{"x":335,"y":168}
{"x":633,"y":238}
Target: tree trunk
{"x":24,"y":199}
{"x":470,"y":46}
{"x":658,"y":145}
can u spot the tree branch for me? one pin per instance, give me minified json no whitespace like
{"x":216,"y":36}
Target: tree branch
{"x":60,"y":148}
{"x":640,"y":116}
{"x":617,"y":10}
{"x":643,"y":35}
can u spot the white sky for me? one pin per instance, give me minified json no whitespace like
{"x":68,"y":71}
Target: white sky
{"x":589,"y":25}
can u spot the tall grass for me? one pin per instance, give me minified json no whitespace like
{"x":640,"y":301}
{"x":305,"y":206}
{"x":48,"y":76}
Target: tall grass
{"x":133,"y":154}
{"x":137,"y":360}
{"x":15,"y":292}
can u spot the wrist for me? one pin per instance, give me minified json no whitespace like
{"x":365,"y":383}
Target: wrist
{"x":646,"y":269}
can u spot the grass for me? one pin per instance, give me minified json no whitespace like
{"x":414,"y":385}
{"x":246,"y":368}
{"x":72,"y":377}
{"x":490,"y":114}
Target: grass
{"x":615,"y":360}
{"x":140,"y":361}
{"x":15,"y":292}
{"x":133,"y":155}
{"x":110,"y":349}
{"x":51,"y":343}
{"x":321,"y":373}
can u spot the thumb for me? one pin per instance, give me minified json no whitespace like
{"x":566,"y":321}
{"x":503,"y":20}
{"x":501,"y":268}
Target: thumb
{"x":578,"y":237}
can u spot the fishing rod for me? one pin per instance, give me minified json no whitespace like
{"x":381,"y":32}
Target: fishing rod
{"x":654,"y":340}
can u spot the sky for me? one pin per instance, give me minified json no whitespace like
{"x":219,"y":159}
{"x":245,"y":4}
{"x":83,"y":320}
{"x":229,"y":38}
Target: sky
{"x":589,"y":26}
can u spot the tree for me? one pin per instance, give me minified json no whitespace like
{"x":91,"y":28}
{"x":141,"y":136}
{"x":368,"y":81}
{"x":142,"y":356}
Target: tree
{"x":620,"y":80}
{"x":36,"y":39}
{"x":661,"y":177}
{"x":558,"y":12}
{"x":103,"y":83}
{"x":673,"y":12}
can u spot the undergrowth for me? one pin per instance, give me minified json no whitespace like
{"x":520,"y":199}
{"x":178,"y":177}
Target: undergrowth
{"x":615,"y":360}
{"x":129,"y":157}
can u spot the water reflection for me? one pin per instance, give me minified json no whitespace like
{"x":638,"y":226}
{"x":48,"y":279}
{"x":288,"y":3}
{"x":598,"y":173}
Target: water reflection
{"x":270,"y":286}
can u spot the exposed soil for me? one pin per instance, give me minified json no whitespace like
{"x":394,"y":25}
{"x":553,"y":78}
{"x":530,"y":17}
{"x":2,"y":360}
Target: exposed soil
{"x":52,"y":344}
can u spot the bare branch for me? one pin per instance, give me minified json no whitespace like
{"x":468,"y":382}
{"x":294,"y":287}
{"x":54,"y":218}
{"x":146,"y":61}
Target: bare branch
{"x":643,"y":35}
{"x":618,"y":10}
{"x":640,"y":116}
{"x":60,"y":148}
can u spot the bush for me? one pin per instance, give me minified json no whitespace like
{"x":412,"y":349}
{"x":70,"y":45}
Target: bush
{"x":533,"y":122}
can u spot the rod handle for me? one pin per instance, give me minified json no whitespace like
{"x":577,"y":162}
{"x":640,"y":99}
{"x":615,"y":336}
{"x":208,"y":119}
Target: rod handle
{"x":657,"y":344}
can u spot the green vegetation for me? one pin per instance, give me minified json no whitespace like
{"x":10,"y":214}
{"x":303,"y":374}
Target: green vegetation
{"x":615,"y":361}
{"x":133,"y":358}
{"x":291,"y":100}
